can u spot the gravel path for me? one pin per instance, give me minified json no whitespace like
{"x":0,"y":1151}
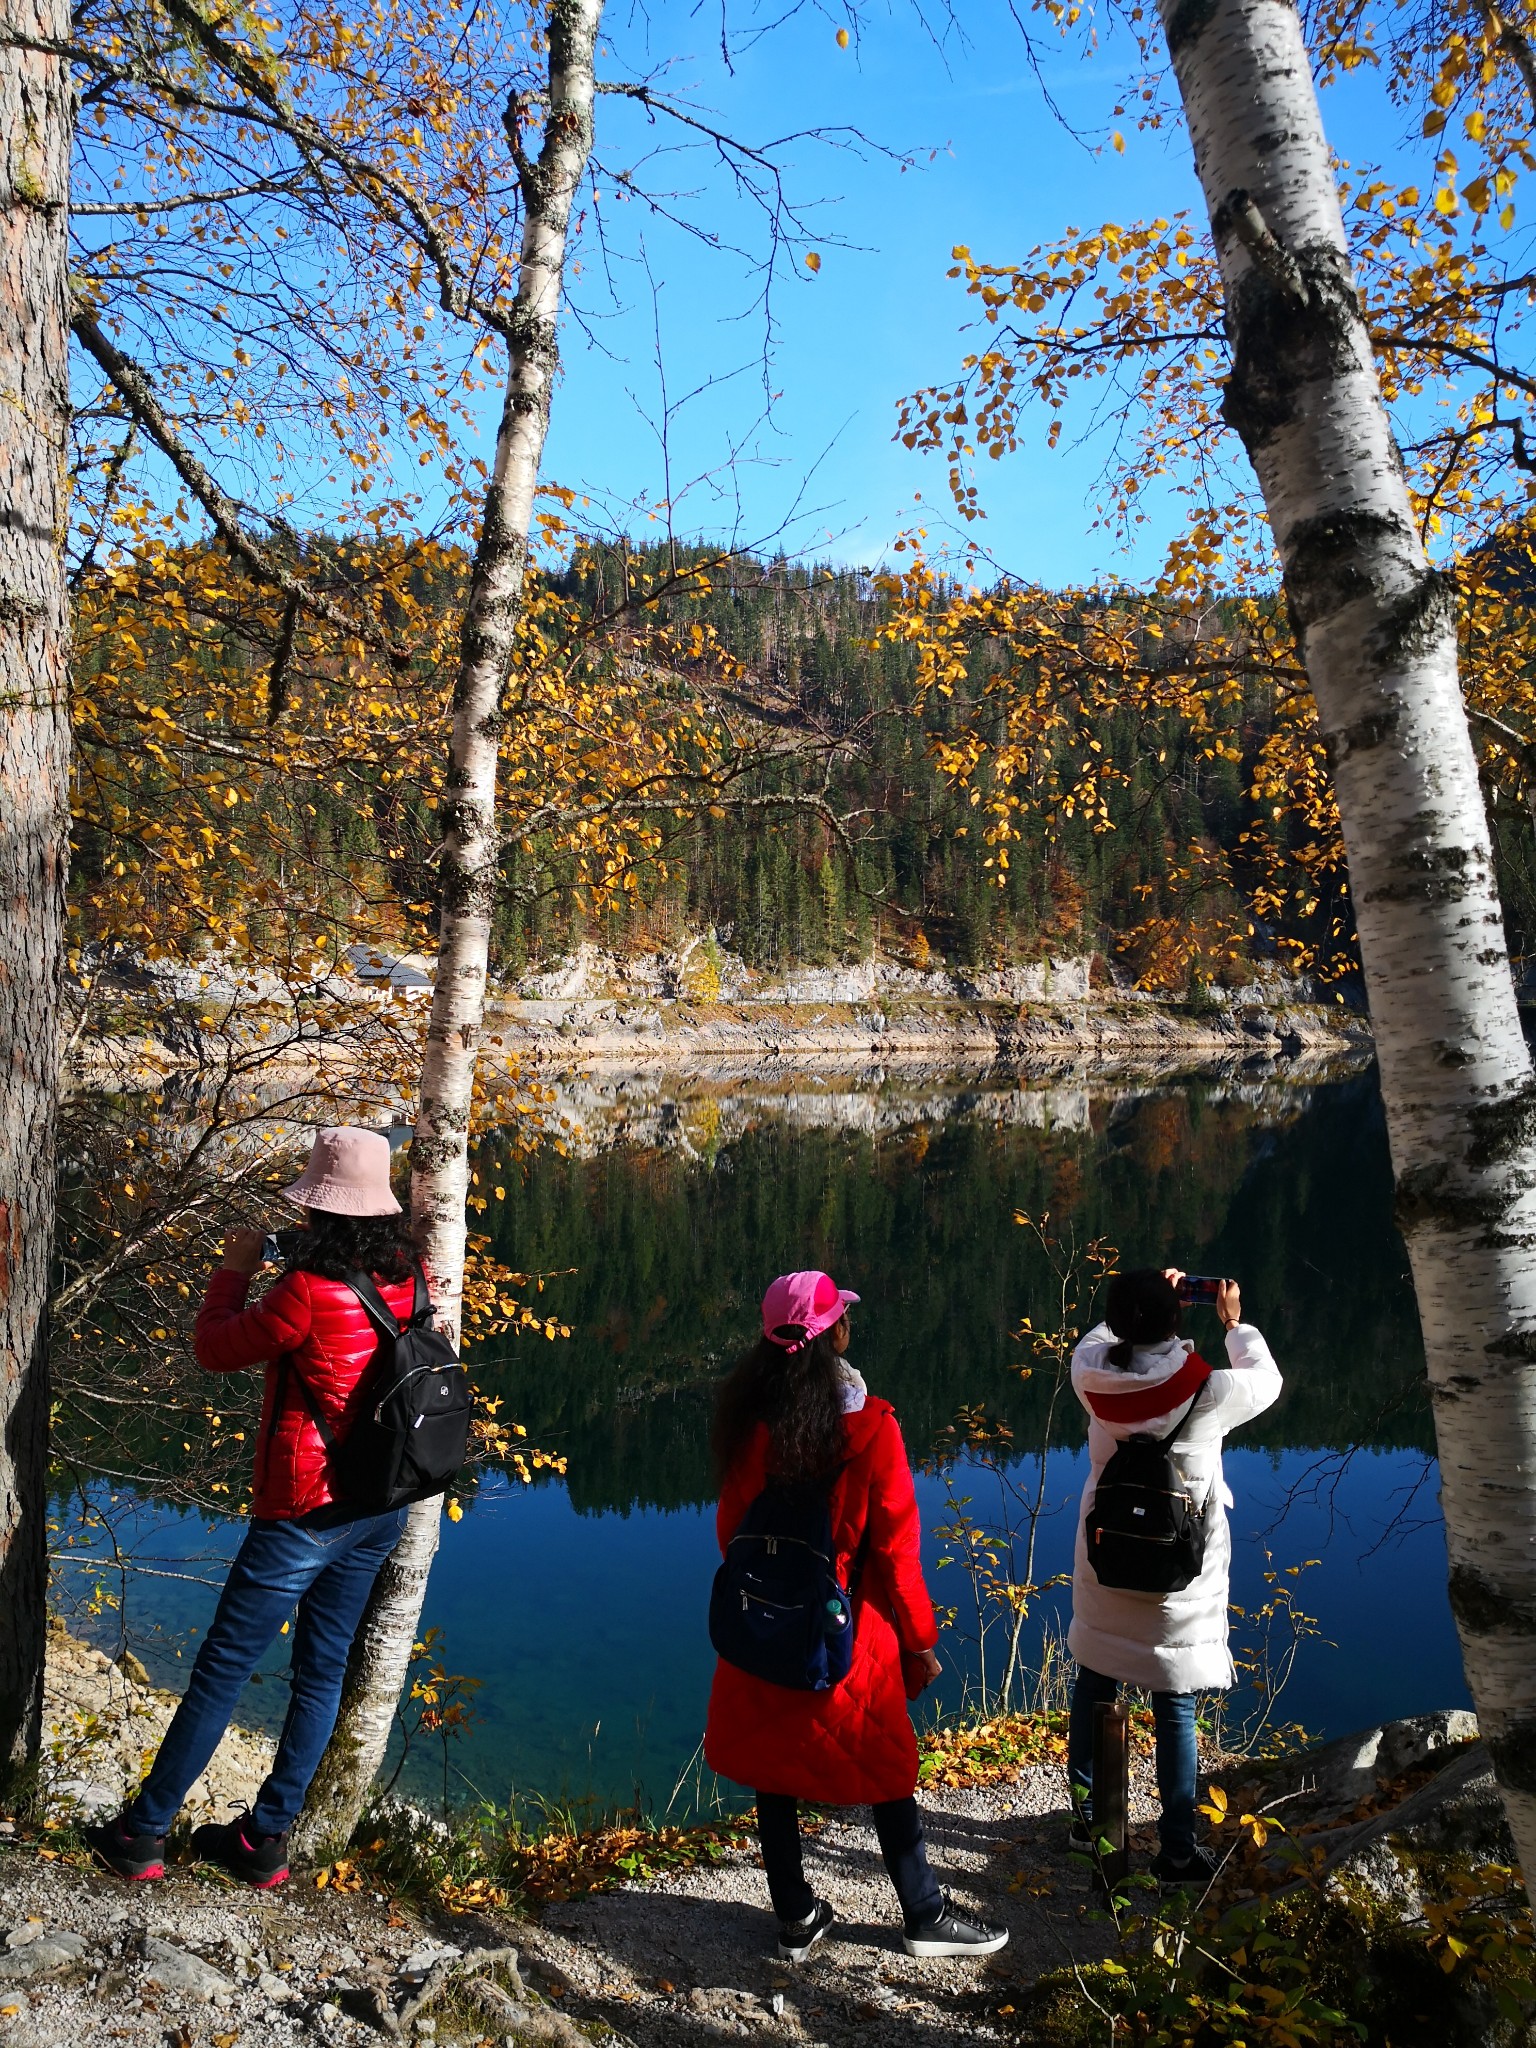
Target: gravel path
{"x":87,"y":1962}
{"x":690,"y":1960}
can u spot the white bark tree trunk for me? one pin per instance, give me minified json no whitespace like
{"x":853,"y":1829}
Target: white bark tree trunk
{"x":1377,"y":629}
{"x":36,"y":113}
{"x":468,"y":869}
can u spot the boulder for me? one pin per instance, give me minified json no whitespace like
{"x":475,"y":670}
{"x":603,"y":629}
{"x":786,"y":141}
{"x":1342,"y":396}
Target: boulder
{"x":1327,"y":1784}
{"x":177,"y":1969}
{"x":41,"y":1956}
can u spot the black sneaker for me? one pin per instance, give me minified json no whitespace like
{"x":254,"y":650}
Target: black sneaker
{"x":1080,"y":1837}
{"x":952,"y":1934}
{"x":239,"y":1848}
{"x":127,"y":1850}
{"x":1193,"y":1874}
{"x":798,"y":1937}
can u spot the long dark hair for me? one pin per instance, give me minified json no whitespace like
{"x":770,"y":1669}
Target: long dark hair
{"x":1141,"y":1308}
{"x":799,"y":1394}
{"x":334,"y":1246}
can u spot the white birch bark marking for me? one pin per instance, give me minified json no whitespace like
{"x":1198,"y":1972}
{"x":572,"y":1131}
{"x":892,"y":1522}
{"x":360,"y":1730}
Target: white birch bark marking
{"x":36,"y":103}
{"x":1377,"y":631}
{"x":440,"y":1148}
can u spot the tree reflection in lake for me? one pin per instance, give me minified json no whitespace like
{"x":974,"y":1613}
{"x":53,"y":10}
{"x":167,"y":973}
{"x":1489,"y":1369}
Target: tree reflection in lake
{"x":1288,"y":1187}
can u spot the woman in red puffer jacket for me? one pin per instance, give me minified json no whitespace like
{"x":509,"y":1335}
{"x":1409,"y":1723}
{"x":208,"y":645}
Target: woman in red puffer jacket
{"x":305,"y":1547}
{"x":794,"y":1414}
{"x":317,"y":1342}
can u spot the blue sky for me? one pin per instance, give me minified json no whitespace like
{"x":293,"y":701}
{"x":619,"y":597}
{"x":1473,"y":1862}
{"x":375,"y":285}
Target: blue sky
{"x":880,"y":318}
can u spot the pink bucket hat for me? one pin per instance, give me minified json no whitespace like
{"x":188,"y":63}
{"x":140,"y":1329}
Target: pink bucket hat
{"x":347,"y":1174}
{"x":799,"y":1306}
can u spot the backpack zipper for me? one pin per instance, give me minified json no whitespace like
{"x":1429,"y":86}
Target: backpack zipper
{"x":390,"y":1392}
{"x":772,"y":1543}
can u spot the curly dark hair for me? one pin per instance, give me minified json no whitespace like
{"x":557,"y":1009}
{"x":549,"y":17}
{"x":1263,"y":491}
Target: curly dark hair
{"x":1141,"y":1308}
{"x":334,"y":1246}
{"x":799,"y":1395}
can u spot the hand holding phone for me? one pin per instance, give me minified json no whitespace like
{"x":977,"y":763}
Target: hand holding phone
{"x":243,"y":1251}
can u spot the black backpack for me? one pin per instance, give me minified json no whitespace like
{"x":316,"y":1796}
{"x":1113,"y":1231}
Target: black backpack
{"x":1145,"y":1533}
{"x":412,"y":1436}
{"x":778,"y":1609}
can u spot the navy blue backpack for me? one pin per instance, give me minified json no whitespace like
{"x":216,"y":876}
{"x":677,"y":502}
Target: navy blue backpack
{"x":778,"y":1609}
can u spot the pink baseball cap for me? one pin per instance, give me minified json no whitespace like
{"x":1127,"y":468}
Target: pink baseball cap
{"x":799,"y":1306}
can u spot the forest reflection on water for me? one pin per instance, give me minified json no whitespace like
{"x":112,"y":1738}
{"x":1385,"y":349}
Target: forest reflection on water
{"x":580,"y":1606}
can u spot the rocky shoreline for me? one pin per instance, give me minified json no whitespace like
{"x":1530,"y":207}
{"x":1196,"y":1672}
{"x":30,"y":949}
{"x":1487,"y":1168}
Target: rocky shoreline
{"x":104,"y":1717}
{"x":600,"y":1010}
{"x":695,"y":1006}
{"x":1097,"y":1032}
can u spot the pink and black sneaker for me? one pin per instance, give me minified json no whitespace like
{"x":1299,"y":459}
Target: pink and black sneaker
{"x":240,"y":1848}
{"x":127,"y":1849}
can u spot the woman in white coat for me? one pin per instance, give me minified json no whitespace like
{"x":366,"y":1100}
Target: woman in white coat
{"x":1136,"y":1376}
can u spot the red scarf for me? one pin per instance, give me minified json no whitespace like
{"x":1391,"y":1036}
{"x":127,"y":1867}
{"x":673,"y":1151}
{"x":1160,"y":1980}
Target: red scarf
{"x":1140,"y":1404}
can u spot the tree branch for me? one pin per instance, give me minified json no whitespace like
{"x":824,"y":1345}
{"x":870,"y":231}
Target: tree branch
{"x":1513,"y":42}
{"x":133,"y":387}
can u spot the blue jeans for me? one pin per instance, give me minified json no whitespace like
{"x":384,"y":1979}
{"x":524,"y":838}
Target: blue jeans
{"x":329,"y":1574}
{"x":1174,"y":1714}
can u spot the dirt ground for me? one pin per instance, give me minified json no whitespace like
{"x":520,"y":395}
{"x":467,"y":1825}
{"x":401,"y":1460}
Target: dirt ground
{"x":89,"y":1962}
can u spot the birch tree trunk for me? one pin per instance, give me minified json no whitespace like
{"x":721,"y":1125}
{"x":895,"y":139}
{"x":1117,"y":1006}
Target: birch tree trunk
{"x":36,"y":109}
{"x":468,"y":869}
{"x":1377,"y":629}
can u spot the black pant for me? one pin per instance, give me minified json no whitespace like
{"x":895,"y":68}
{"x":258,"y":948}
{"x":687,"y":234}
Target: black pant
{"x":900,"y":1832}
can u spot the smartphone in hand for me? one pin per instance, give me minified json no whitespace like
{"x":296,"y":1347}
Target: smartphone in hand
{"x":1199,"y":1290}
{"x":280,"y":1245}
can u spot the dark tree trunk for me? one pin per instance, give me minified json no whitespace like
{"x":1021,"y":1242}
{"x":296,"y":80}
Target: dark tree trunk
{"x":35,"y":129}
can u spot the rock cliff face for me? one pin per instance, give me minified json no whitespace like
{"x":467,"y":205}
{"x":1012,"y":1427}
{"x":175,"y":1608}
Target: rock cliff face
{"x":697,"y":1001}
{"x":594,"y":1007}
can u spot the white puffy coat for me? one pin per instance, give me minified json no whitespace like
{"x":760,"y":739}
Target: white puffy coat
{"x":1167,"y":1642}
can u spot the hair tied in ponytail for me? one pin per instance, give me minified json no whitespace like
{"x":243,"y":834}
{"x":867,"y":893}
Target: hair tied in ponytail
{"x":1119,"y":1355}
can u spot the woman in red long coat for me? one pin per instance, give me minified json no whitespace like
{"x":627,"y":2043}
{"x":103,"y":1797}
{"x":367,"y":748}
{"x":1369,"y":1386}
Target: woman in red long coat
{"x":795,"y":1414}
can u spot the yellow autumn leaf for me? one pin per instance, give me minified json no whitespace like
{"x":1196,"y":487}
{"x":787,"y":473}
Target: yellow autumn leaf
{"x":842,"y":39}
{"x":812,"y":260}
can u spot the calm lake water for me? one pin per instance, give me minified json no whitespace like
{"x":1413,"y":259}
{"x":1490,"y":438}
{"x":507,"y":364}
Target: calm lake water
{"x":580,"y":1605}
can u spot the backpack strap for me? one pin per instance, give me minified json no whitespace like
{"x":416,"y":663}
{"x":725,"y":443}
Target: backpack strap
{"x":858,"y":1561}
{"x":378,"y":1308}
{"x":362,"y":1285}
{"x":1204,"y":1375}
{"x":1166,"y":1442}
{"x":323,"y":1429}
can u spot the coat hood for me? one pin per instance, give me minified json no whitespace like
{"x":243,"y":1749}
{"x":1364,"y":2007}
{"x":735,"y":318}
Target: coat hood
{"x":863,"y":1424}
{"x":1159,"y":1380}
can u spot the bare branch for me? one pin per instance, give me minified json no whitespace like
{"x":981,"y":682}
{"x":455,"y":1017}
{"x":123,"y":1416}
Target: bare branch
{"x":133,"y":387}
